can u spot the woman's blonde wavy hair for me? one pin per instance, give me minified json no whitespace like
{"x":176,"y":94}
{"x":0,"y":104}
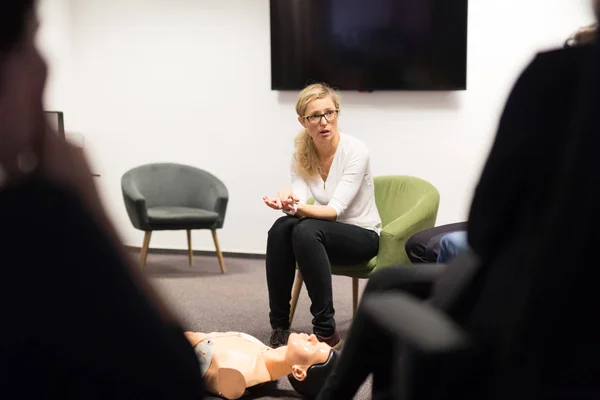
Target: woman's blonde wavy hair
{"x":306,"y":159}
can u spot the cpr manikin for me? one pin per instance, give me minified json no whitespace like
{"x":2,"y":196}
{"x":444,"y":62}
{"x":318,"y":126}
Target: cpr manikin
{"x":231,"y":362}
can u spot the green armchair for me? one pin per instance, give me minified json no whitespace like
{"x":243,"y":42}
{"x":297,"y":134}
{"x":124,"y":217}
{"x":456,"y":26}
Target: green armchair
{"x":406,"y":205}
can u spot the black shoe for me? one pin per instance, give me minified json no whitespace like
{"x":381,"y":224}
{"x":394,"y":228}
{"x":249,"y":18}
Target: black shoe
{"x":333,"y":340}
{"x":279,"y":337}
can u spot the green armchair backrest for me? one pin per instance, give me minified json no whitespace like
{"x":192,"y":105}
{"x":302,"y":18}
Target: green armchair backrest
{"x":397,"y":195}
{"x":406,"y":205}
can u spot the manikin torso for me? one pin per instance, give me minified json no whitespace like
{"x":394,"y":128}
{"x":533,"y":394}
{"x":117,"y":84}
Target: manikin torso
{"x":231,"y":362}
{"x":236,"y":363}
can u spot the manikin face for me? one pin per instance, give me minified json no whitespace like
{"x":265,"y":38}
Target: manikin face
{"x":321,"y":129}
{"x":22,"y":80}
{"x":304,"y":351}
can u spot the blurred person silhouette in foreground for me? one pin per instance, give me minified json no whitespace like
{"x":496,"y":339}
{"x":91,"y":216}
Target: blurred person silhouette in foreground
{"x":79,"y":321}
{"x":530,"y":305}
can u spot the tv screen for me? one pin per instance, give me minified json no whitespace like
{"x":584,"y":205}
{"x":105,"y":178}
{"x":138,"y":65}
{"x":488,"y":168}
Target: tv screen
{"x":369,"y":44}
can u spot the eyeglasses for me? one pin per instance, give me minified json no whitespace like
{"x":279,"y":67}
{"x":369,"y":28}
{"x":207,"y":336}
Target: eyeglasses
{"x":330,"y":115}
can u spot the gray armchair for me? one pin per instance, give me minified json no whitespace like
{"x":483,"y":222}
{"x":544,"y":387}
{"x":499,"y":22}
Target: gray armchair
{"x":169,"y":196}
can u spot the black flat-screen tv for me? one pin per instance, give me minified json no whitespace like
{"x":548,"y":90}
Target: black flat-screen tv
{"x":369,"y":45}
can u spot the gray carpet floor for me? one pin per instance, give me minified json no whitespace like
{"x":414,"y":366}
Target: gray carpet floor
{"x":208,"y":301}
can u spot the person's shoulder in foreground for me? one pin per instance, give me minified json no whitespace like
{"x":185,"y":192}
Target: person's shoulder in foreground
{"x":560,"y":60}
{"x":539,"y":106}
{"x":565,"y":52}
{"x":552,"y":78}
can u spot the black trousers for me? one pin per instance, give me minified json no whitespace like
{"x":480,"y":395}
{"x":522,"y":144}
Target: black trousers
{"x":368,"y":349}
{"x":312,"y":244}
{"x":424,"y":246}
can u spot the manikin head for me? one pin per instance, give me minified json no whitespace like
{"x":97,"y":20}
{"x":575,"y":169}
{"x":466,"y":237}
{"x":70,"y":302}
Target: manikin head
{"x":311,"y":362}
{"x":304,"y":351}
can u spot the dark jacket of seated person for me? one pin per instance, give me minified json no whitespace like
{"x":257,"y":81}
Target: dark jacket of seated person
{"x":512,"y":201}
{"x":515,"y":187}
{"x":75,"y":323}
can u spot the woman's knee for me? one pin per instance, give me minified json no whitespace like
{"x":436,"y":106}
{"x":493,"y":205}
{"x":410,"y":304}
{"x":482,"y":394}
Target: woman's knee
{"x":305,"y":231}
{"x":283,"y":225}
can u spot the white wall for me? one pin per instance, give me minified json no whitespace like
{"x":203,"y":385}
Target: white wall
{"x":54,"y":40}
{"x":189,"y":81}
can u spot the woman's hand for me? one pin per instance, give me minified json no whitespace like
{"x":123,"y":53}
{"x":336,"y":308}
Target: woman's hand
{"x":272,"y":203}
{"x":285,"y":200}
{"x":289,"y":205}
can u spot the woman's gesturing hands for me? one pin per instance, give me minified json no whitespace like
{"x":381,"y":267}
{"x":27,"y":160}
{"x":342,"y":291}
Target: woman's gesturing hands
{"x":285,"y":200}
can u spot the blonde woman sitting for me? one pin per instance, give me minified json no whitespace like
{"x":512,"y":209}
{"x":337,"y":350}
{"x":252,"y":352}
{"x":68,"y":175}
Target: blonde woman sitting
{"x":341,"y":227}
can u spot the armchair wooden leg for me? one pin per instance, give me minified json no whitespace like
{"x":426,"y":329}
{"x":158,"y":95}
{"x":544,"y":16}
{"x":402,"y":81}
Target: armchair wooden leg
{"x":354,"y":296}
{"x":190,"y":251}
{"x":219,"y":254}
{"x":145,"y":246}
{"x":295,"y":294}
